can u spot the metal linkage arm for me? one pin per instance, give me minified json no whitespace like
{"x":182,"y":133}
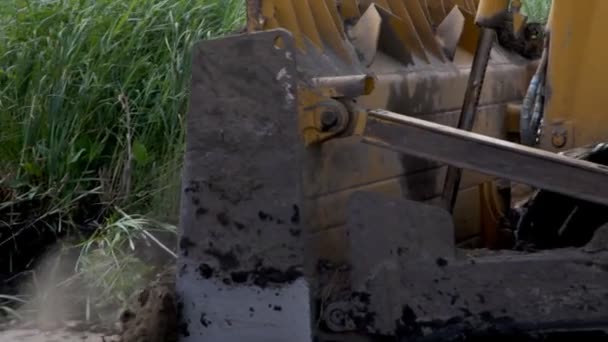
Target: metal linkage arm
{"x":542,"y":169}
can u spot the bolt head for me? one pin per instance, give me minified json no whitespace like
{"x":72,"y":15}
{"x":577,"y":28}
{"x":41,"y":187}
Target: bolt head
{"x":329,"y":119}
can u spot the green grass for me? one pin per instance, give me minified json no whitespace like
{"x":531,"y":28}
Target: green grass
{"x":93,"y":93}
{"x":536,"y":10}
{"x":92,"y":100}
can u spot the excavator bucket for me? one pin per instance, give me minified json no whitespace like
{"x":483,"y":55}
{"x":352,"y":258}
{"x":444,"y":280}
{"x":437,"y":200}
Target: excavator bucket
{"x":307,"y":216}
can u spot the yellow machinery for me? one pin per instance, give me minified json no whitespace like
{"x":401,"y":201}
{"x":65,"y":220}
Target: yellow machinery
{"x":575,"y":76}
{"x":343,"y":154}
{"x":414,"y":72}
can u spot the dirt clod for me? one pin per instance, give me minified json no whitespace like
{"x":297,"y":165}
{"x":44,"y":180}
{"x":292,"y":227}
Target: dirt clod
{"x":153,"y":315}
{"x":599,"y":242}
{"x":441,"y":262}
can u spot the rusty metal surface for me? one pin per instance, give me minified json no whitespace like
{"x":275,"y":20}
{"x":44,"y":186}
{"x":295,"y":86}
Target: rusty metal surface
{"x":409,"y":280}
{"x":240,"y":273}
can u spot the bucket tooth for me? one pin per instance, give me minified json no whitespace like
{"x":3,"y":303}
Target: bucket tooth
{"x":366,"y":34}
{"x":450,"y":31}
{"x":399,"y":39}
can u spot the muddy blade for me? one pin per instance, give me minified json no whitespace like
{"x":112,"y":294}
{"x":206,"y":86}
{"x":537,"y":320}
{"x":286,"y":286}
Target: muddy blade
{"x":409,"y":281}
{"x":239,"y":270}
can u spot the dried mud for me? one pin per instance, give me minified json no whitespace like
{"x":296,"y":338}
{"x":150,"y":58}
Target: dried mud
{"x":153,"y":315}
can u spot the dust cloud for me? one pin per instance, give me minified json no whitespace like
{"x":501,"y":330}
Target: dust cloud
{"x":53,"y":293}
{"x":72,"y":293}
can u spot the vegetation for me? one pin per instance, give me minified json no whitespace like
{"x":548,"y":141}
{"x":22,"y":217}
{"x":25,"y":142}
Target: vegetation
{"x":536,"y":10}
{"x":92,"y":100}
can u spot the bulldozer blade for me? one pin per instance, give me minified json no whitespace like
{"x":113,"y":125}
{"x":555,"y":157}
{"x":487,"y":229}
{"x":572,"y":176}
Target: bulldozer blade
{"x":410,"y":281}
{"x":240,"y":259}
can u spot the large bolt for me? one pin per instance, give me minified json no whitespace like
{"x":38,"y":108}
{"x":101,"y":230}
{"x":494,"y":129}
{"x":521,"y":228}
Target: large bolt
{"x":338,"y":317}
{"x":559,"y":137}
{"x":329,"y":120}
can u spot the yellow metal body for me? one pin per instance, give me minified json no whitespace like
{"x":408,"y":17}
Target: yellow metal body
{"x":397,"y":43}
{"x":490,"y":13}
{"x":576,"y":76}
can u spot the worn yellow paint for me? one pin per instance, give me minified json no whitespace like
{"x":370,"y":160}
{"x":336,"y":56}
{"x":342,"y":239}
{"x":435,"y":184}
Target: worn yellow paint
{"x":321,"y":22}
{"x":404,"y":31}
{"x":576,"y":101}
{"x":349,"y":9}
{"x":490,"y":11}
{"x":424,"y":29}
{"x":470,"y":34}
{"x":312,"y":104}
{"x":307,"y":22}
{"x":492,"y":210}
{"x":512,"y":118}
{"x":414,"y":77}
{"x":436,"y":12}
